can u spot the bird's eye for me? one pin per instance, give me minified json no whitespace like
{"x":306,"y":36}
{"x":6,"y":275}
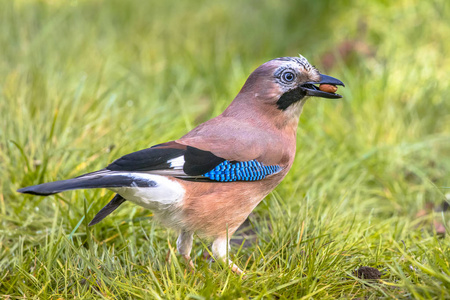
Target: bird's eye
{"x":288,"y":76}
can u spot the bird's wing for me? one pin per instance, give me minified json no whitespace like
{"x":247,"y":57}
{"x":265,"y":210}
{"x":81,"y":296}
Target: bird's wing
{"x":187,"y":162}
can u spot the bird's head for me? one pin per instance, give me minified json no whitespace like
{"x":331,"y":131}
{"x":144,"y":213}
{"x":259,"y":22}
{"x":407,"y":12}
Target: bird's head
{"x":282,"y":85}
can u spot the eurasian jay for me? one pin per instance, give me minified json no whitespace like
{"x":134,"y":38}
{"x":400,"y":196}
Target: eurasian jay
{"x":211,"y":179}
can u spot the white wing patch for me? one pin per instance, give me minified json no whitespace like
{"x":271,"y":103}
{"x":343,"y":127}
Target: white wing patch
{"x":177,"y":162}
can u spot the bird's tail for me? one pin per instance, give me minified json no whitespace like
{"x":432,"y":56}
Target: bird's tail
{"x":99,"y":179}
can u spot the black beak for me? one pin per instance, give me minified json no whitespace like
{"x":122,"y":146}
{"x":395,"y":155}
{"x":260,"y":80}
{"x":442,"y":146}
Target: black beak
{"x":312,"y":90}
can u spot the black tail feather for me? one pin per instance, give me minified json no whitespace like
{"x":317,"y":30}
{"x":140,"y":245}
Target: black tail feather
{"x":107,"y":209}
{"x":51,"y":188}
{"x":90,"y":181}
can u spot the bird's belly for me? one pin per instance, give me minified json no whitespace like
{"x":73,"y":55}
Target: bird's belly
{"x":213,"y":209}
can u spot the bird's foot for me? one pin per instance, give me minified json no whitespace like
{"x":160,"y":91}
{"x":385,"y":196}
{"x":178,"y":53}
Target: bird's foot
{"x":190,"y":263}
{"x":236,"y":269}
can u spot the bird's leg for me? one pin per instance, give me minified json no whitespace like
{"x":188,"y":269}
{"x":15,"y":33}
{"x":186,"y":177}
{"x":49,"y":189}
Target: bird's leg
{"x":184,"y":246}
{"x":220,"y":249}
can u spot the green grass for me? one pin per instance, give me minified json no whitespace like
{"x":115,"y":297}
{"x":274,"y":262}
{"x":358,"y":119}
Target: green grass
{"x":84,"y":82}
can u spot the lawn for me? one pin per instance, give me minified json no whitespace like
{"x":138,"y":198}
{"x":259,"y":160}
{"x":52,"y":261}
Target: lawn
{"x":85,"y":82}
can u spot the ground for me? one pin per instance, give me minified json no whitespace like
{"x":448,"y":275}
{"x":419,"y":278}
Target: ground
{"x":84,"y":82}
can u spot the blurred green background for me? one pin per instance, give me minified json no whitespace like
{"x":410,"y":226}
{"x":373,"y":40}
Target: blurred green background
{"x":84,"y":82}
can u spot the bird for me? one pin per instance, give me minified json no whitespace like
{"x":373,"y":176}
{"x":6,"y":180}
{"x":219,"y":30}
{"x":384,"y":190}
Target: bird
{"x":208,"y":181}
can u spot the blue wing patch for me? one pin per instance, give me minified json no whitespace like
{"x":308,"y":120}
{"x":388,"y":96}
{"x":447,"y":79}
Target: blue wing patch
{"x":241,"y":171}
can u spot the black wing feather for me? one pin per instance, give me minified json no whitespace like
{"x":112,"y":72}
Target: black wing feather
{"x":198,"y":162}
{"x":151,"y":159}
{"x":156,"y":158}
